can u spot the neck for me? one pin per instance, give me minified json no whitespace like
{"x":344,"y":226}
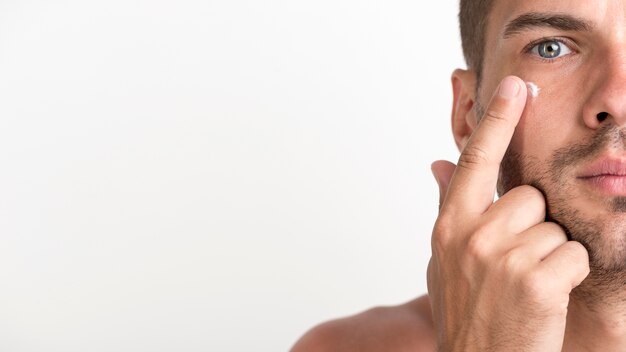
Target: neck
{"x":596,"y":318}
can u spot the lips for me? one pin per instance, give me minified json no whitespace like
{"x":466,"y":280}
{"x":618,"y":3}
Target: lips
{"x":607,"y":175}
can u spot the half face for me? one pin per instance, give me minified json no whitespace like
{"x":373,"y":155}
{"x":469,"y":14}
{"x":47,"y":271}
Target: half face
{"x":571,"y":140}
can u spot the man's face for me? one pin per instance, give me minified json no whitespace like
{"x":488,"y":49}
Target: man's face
{"x":571,"y":140}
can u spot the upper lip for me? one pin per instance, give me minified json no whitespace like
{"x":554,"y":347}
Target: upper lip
{"x":606,"y":166}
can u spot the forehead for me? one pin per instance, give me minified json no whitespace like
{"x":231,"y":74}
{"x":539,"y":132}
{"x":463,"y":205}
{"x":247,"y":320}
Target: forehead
{"x":604,"y":13}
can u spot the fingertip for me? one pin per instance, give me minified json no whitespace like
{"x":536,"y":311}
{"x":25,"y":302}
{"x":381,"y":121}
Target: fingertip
{"x":442,"y":170}
{"x":509,"y":88}
{"x":441,"y":167}
{"x":512,"y":87}
{"x":508,"y":102}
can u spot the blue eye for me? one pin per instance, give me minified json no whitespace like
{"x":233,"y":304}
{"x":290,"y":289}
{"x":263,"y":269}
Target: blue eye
{"x":551,"y":49}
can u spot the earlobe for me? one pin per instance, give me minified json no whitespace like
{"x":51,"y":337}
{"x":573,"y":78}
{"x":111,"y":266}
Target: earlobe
{"x":464,"y":120}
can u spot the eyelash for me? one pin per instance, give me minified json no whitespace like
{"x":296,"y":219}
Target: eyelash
{"x":567,"y":42}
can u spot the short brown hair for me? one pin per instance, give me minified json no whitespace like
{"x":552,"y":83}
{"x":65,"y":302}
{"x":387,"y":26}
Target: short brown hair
{"x":473,"y":22}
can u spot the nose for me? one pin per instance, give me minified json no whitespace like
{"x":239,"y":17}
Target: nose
{"x":607,"y":101}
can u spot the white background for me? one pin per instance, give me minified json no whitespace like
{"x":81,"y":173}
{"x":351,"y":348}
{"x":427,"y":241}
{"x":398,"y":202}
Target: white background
{"x":198,"y":175}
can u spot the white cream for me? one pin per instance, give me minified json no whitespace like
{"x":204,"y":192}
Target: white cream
{"x":533,"y":89}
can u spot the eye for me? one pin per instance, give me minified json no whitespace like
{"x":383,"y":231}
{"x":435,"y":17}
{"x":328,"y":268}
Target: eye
{"x":551,"y":49}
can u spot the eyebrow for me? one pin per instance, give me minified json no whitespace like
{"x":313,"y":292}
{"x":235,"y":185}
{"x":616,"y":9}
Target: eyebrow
{"x":533,"y":20}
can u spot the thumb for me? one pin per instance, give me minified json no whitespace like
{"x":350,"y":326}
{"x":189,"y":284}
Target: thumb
{"x":443,"y":171}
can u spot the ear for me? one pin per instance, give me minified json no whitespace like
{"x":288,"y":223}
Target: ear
{"x":464,"y":119}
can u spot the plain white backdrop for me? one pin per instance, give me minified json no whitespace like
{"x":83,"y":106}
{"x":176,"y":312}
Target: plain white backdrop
{"x":198,"y":175}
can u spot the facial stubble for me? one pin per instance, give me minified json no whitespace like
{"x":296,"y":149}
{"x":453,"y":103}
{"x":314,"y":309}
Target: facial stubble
{"x":555,"y":177}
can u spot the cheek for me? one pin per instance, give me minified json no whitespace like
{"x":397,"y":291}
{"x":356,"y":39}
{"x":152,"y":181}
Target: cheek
{"x":547,"y":121}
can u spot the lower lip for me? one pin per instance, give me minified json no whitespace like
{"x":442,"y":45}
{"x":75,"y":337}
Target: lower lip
{"x":612,"y":185}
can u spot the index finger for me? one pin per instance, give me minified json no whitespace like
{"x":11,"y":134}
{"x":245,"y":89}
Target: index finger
{"x":474,"y":182}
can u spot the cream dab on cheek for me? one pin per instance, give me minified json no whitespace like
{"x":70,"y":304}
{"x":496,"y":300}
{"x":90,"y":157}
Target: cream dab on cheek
{"x":533,"y":89}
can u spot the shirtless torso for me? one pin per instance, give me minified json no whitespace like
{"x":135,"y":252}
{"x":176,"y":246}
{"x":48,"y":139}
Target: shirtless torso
{"x":406,"y":327}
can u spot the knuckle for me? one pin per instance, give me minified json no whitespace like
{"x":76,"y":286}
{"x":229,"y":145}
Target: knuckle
{"x":529,"y":193}
{"x":442,"y":233}
{"x":576,"y":251}
{"x":528,"y":197}
{"x":584,"y":271}
{"x":431,"y":273}
{"x":577,"y":247}
{"x":513,"y":260}
{"x":479,"y":243}
{"x":577,"y":258}
{"x":533,"y":284}
{"x":444,"y":222}
{"x":473,"y":158}
{"x":553,"y":229}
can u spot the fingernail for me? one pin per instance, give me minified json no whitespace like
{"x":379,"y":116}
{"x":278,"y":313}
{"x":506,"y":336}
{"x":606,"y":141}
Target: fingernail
{"x":509,"y":88}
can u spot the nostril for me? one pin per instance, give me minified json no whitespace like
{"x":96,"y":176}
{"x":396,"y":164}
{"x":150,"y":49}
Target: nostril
{"x":602,"y":116}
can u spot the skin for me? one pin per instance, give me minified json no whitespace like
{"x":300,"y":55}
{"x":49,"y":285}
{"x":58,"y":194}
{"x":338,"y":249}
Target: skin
{"x":542,"y":268}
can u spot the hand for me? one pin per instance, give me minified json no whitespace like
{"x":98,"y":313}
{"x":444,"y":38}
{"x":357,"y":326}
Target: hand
{"x":499,"y":277}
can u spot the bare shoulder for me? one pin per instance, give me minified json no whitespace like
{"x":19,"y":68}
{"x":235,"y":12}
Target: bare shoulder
{"x":405,"y":327}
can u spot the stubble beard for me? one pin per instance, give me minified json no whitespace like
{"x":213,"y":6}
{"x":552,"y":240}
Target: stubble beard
{"x":556,"y":178}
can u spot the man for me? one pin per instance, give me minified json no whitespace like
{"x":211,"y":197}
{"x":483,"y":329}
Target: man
{"x":543,"y":268}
